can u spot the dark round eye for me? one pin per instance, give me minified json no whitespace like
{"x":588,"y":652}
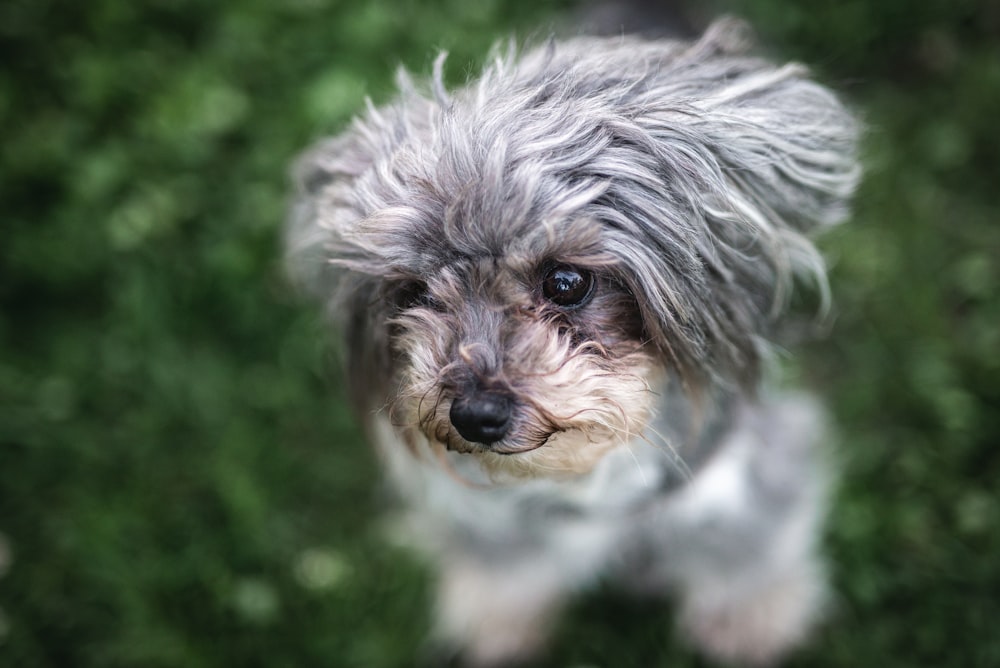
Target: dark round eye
{"x":567,"y":286}
{"x":413,"y":294}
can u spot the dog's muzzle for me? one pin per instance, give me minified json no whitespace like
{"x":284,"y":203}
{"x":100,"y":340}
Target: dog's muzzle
{"x":481,"y":416}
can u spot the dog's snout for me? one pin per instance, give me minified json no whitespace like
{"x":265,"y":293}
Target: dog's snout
{"x":481,"y":417}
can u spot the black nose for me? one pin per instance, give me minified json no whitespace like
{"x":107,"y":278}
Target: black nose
{"x":481,"y":417}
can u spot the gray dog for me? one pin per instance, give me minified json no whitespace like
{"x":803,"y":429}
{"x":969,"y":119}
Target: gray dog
{"x":556,"y":288}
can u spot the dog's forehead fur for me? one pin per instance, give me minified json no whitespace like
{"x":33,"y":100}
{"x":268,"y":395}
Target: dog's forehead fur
{"x":507,"y":166}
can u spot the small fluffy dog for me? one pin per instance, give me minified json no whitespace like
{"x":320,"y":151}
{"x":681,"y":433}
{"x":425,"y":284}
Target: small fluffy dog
{"x":556,"y":287}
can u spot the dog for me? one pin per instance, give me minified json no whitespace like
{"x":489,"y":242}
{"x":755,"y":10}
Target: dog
{"x":558,"y":290}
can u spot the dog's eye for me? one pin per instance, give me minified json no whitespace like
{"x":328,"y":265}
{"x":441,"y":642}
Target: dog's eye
{"x":567,"y":286}
{"x":413,"y":294}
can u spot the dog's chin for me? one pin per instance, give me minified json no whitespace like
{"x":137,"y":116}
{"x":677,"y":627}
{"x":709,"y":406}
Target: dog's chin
{"x":506,"y":447}
{"x":558,"y":454}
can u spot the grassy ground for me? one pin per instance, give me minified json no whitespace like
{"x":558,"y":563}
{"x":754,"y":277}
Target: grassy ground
{"x":180,"y":484}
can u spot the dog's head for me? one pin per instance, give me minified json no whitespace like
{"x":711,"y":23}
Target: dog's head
{"x":517,"y":263}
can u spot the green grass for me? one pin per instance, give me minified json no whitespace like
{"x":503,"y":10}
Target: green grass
{"x":180,"y":483}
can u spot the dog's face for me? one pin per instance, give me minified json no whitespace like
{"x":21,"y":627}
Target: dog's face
{"x":519,"y":265}
{"x":535,"y":349}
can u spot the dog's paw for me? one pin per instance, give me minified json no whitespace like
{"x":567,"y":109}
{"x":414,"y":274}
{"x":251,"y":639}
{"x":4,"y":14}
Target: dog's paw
{"x":489,"y":618}
{"x":756,"y":628}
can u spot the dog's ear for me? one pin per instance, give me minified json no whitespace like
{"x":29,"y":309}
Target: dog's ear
{"x":786,"y":145}
{"x":343,"y":180}
{"x":330,"y":252}
{"x":323,"y":180}
{"x":741,"y":160}
{"x":767,"y":146}
{"x":326,"y":207}
{"x":783,"y":151}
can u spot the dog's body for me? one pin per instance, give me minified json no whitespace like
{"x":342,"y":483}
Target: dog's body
{"x":556,"y":288}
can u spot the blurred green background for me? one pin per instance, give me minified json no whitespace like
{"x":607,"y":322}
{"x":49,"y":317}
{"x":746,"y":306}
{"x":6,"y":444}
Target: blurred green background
{"x":180,"y":484}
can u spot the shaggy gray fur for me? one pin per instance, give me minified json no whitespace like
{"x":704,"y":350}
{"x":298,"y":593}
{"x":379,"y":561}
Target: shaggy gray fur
{"x":686,"y":180}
